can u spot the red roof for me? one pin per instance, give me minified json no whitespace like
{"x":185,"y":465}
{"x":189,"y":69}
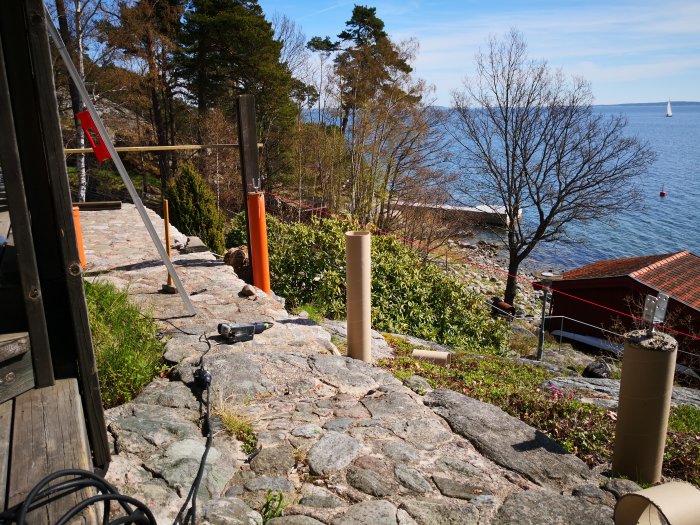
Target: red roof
{"x":675,"y":274}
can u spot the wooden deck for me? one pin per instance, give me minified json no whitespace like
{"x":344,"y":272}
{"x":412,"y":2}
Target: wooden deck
{"x":42,"y":431}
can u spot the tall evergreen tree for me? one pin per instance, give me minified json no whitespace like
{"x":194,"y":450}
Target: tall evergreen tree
{"x":145,"y":30}
{"x":369,"y":63}
{"x":228,"y":48}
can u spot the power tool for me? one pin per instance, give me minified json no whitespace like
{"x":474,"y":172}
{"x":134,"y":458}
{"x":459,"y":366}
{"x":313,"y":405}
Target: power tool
{"x":239,"y":333}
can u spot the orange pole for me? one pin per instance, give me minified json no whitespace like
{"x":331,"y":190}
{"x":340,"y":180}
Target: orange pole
{"x":166,"y":219}
{"x":258,"y":241}
{"x":79,"y":236}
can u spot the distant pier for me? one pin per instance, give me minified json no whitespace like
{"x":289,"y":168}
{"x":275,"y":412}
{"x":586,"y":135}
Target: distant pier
{"x":480,"y":215}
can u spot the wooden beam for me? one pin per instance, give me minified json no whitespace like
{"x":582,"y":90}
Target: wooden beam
{"x":250,"y":172}
{"x":23,"y":237}
{"x":98,"y":205}
{"x":184,"y":147}
{"x":48,"y":435}
{"x":5,"y":434}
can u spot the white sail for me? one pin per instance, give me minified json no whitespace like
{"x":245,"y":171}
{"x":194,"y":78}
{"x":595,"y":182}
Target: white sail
{"x":669,"y":113}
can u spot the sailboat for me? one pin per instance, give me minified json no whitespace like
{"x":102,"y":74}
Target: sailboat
{"x":669,"y":113}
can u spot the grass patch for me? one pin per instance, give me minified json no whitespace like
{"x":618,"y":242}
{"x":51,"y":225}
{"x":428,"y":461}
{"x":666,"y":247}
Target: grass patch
{"x":312,"y":311}
{"x":273,"y":506}
{"x":685,"y":418}
{"x":583,"y":429}
{"x":240,"y":427}
{"x":127,"y":351}
{"x":340,"y":343}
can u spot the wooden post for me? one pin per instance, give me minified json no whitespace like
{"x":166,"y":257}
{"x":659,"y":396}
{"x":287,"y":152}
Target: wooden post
{"x":23,"y":238}
{"x":250,"y":171}
{"x":29,"y":76}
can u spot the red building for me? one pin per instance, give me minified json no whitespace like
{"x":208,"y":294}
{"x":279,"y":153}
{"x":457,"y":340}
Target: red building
{"x":622,"y":285}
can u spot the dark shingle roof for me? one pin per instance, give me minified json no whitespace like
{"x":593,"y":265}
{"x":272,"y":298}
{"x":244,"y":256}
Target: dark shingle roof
{"x":675,"y":274}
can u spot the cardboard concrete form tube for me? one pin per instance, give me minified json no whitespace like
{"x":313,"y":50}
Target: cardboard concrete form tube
{"x":166,"y":220}
{"x":439,"y":358}
{"x":359,"y":294}
{"x":258,"y":241}
{"x":645,"y":402}
{"x":678,"y":503}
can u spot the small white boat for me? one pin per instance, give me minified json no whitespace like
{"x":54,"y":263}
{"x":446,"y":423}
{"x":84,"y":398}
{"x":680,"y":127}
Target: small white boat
{"x":669,"y":113}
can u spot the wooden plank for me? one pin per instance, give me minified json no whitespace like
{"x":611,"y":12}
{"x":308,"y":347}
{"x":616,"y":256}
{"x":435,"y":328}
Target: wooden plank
{"x":13,"y":345}
{"x":16,"y":376}
{"x":99,"y":205}
{"x":183,"y":147}
{"x":250,"y":172}
{"x":5,"y":429}
{"x":27,"y":460}
{"x":49,"y":435}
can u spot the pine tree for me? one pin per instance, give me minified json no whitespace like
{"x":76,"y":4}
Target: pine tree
{"x":228,"y":48}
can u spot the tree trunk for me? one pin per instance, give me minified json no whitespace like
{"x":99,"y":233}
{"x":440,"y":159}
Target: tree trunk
{"x":511,"y":283}
{"x":158,"y":121}
{"x":80,"y":162}
{"x":75,"y":102}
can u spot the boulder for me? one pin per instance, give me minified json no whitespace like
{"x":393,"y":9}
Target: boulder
{"x":535,"y":507}
{"x":510,"y":442}
{"x":597,"y":368}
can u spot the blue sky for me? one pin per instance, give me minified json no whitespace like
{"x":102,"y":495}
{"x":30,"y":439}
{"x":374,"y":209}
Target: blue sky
{"x":642,"y":51}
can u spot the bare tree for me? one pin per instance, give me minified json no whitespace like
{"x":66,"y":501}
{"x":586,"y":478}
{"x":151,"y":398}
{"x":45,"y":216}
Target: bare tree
{"x":532,"y":144}
{"x":294,"y":52}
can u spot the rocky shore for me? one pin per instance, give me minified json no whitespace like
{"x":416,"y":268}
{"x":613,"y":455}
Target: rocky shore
{"x":342,"y":441}
{"x":483,"y":266}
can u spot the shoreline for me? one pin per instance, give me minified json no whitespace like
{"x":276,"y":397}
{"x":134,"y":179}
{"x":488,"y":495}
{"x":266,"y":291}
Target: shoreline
{"x":482,"y":265}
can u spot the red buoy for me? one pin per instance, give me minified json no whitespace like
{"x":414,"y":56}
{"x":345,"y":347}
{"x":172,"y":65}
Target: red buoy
{"x":662,"y":193}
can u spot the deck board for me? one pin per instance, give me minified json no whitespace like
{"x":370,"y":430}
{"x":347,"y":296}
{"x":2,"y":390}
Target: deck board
{"x":5,"y":429}
{"x":49,"y":435}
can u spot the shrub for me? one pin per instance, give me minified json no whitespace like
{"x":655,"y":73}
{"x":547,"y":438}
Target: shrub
{"x":193,"y":208}
{"x":127,"y":351}
{"x":307,"y":266}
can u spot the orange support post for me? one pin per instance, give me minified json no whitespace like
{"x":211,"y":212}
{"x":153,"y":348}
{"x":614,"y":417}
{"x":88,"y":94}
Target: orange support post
{"x":258,"y":241}
{"x":79,"y":236}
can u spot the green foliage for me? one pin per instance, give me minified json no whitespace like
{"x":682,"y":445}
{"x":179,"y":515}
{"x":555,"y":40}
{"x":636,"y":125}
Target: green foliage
{"x":273,"y":506}
{"x":193,"y":208}
{"x":307,"y":266}
{"x":127,"y":351}
{"x":581,"y":428}
{"x":685,"y":418}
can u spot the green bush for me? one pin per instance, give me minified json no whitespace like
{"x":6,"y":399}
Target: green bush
{"x":127,"y":351}
{"x":307,"y":266}
{"x":192,"y":207}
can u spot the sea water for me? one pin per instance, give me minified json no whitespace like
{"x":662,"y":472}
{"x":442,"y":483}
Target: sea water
{"x":659,"y":224}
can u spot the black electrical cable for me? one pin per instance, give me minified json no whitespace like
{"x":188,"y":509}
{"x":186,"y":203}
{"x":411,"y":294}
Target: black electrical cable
{"x":42,"y":494}
{"x":203,"y":380}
